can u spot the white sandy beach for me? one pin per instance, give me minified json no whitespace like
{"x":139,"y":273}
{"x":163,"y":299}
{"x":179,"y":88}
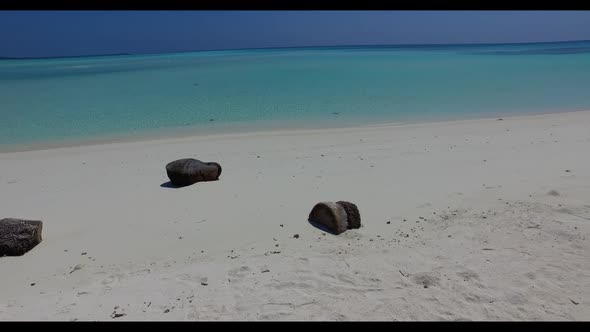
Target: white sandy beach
{"x":458,"y":224}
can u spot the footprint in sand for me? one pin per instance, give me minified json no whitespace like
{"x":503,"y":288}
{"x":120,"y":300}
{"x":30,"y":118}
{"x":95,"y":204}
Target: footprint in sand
{"x":111,"y":281}
{"x":238,"y":274}
{"x":67,"y":308}
{"x":426,"y":280}
{"x":468,"y":275}
{"x":516,"y":299}
{"x":346,"y":279}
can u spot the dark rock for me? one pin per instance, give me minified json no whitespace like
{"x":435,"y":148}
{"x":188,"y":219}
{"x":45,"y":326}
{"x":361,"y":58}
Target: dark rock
{"x":335,"y":217}
{"x":352,"y":213}
{"x":18,"y":236}
{"x":296,"y":236}
{"x":330,"y":215}
{"x":184,"y":172}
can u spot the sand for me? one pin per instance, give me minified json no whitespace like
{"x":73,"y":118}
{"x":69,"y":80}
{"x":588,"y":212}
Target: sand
{"x":465,"y":220}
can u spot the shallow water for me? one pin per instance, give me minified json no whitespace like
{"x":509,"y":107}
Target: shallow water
{"x":44,"y":100}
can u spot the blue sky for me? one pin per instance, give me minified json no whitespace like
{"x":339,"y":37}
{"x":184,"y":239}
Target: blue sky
{"x":55,"y":33}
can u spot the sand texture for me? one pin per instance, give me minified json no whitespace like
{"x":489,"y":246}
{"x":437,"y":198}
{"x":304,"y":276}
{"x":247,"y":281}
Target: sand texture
{"x":467,"y":220}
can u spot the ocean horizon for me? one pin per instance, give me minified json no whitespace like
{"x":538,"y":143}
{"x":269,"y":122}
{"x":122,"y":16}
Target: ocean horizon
{"x":66,"y":99}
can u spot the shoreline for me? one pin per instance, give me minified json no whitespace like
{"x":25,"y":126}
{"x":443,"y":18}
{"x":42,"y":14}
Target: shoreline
{"x":243,"y":130}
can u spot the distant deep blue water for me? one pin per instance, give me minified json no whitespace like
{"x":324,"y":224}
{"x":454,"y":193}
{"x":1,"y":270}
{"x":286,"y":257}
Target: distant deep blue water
{"x":49,"y":100}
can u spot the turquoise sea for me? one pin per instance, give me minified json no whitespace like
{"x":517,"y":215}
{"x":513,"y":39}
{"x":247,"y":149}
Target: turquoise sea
{"x":73,"y":99}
